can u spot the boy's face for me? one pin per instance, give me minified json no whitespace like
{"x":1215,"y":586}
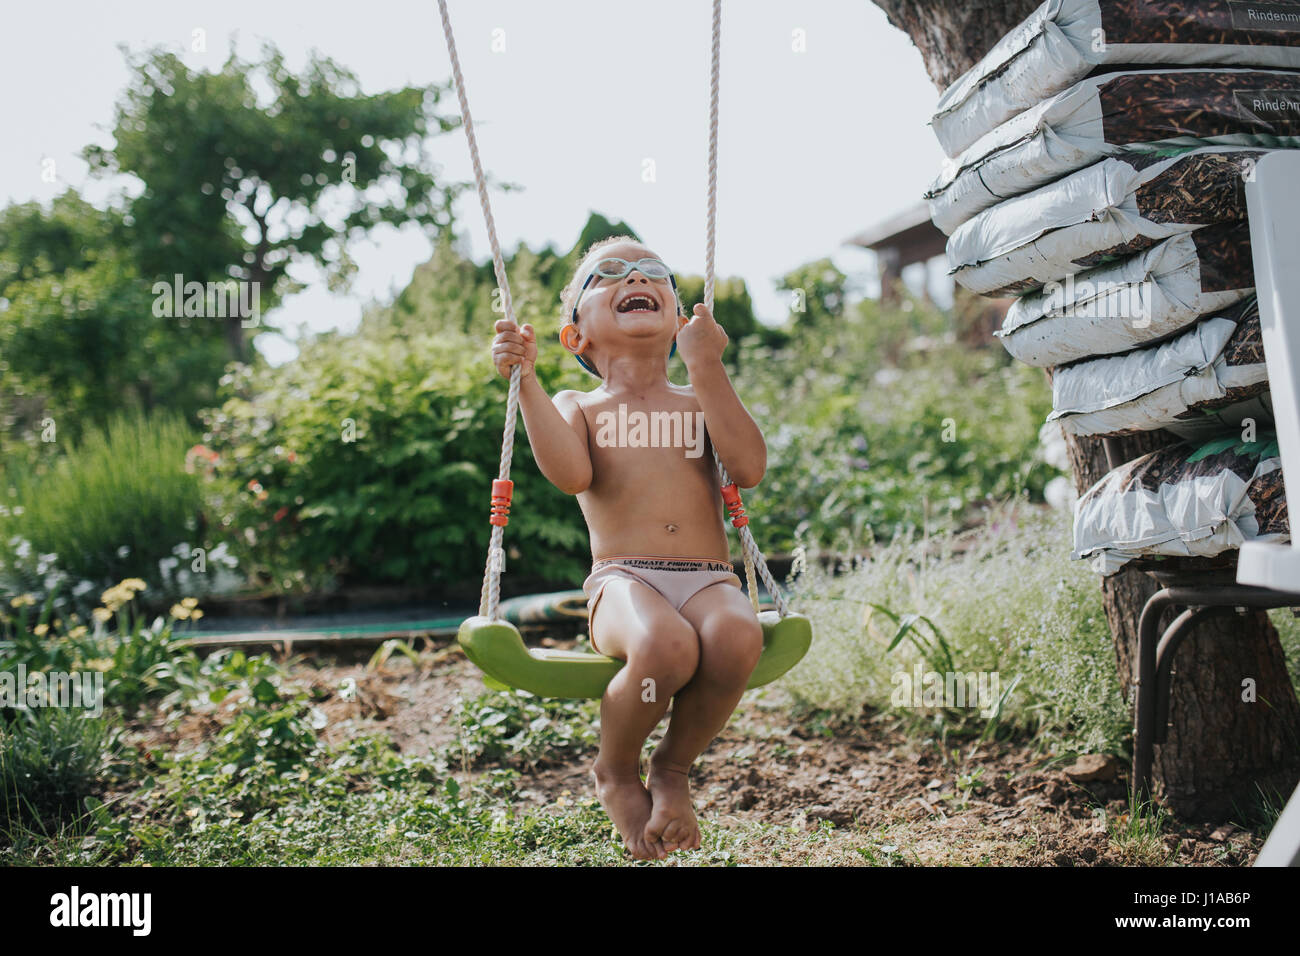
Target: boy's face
{"x":627,"y":314}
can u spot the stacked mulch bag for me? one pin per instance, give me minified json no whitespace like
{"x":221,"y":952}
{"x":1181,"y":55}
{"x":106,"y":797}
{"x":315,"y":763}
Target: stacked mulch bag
{"x":1184,"y":500}
{"x":1098,"y":156}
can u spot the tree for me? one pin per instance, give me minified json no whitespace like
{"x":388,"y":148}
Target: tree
{"x":78,"y":336}
{"x":818,"y":289}
{"x":235,"y":187}
{"x":1219,"y":748}
{"x":596,"y":228}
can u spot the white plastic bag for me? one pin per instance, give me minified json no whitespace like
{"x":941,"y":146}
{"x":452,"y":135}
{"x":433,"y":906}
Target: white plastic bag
{"x":1183,"y":501}
{"x":1140,"y":299}
{"x":1210,"y":376}
{"x":1107,"y":211}
{"x":1113,"y":114}
{"x":1064,"y":40}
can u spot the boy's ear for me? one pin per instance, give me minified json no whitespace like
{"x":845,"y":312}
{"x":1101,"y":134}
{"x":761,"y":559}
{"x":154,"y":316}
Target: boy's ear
{"x":570,"y":336}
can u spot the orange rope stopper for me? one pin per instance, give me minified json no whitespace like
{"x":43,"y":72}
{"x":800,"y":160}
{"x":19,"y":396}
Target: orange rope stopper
{"x":731,"y":497}
{"x":501,"y":491}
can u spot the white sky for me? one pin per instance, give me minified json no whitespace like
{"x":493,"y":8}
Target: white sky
{"x":813,"y":146}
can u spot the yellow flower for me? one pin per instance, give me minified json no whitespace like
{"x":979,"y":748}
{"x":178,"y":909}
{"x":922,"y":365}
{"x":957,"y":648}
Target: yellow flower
{"x":178,"y":612}
{"x":115,"y":596}
{"x":102,"y":615}
{"x":20,"y":600}
{"x":40,"y":630}
{"x":122,"y":593}
{"x":195,"y":615}
{"x":190,"y":602}
{"x":99,"y":663}
{"x":78,"y":631}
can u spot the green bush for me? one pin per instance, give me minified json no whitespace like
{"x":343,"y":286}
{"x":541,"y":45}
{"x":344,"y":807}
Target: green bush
{"x":111,"y":507}
{"x":51,"y":759}
{"x":372,"y":456}
{"x":141,"y":662}
{"x":860,"y":447}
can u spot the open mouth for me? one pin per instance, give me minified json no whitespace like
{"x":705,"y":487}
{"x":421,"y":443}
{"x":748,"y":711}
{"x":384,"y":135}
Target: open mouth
{"x":638,"y":303}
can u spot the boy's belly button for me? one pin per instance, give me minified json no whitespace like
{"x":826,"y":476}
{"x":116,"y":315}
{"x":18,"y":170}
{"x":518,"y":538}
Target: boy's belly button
{"x":670,"y":528}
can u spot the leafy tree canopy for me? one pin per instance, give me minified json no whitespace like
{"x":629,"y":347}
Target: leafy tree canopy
{"x":240,"y":185}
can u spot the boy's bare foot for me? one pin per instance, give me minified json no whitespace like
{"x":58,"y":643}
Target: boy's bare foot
{"x":672,"y":819}
{"x":627,"y":802}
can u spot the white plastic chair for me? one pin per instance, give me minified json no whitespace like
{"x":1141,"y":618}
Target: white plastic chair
{"x":1273,"y":203}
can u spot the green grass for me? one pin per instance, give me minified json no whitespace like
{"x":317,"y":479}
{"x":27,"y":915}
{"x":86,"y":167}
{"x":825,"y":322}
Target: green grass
{"x":268,"y":788}
{"x":108,"y":508}
{"x":51,"y":760}
{"x":517,"y":728}
{"x":1012,"y":603}
{"x":1138,"y":833}
{"x":469,"y":828}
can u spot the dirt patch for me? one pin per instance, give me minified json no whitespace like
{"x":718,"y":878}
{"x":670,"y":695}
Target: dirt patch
{"x":996,"y":803}
{"x":897,"y":798}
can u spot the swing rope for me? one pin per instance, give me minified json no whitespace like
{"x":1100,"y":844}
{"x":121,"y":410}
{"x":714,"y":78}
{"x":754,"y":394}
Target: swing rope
{"x":490,"y":596}
{"x":749,"y":548}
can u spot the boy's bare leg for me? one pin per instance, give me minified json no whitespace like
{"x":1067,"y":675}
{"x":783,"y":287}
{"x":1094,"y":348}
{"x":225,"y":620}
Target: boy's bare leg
{"x":634,"y":623}
{"x":731,"y":641}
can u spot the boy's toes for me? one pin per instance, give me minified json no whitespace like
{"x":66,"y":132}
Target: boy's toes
{"x":670,"y":834}
{"x":672,"y":820}
{"x":676,"y":834}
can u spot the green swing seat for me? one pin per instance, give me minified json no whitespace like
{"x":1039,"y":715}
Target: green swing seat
{"x":498,"y":650}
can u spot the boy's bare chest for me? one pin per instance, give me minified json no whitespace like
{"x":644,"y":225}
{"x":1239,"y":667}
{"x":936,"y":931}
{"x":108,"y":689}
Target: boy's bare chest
{"x":664,"y":434}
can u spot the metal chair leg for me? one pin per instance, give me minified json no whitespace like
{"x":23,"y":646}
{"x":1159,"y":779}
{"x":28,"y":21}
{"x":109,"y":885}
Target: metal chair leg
{"x":1173,"y":638}
{"x":1144,"y":732}
{"x":1156,"y":655}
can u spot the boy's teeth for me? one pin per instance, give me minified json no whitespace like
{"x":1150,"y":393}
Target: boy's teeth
{"x":637,"y":302}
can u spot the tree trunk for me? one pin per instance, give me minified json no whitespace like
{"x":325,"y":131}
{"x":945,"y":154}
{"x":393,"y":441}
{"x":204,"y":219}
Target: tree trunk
{"x":952,"y":36}
{"x":1220,"y":749}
